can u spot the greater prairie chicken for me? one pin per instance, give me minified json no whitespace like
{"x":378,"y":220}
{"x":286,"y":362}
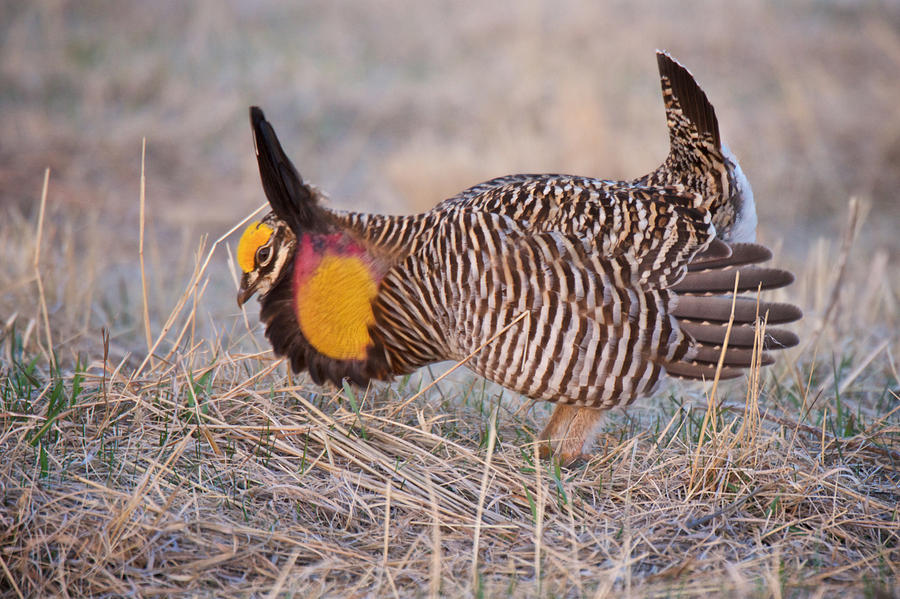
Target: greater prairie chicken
{"x":578,"y":291}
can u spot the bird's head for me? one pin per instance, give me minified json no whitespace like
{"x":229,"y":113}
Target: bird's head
{"x":263,"y":253}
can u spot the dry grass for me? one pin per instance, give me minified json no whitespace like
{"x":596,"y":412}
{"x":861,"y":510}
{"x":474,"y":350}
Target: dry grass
{"x":200,"y":468}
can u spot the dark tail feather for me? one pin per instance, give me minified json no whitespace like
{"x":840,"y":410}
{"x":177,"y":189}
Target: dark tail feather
{"x":741,"y":335}
{"x":291,"y":199}
{"x":717,"y":252}
{"x":704,"y":310}
{"x":722,"y":281}
{"x":740,"y":254}
{"x":738,"y":357}
{"x":701,"y":371}
{"x":746,"y":310}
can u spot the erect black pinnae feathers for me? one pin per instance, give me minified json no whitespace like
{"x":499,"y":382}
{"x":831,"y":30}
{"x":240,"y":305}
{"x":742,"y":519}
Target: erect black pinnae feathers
{"x":291,"y":199}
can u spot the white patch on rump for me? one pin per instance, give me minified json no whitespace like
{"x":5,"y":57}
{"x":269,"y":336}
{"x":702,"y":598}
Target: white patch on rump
{"x":744,"y":228}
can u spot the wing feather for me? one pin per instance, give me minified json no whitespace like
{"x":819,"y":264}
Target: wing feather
{"x":586,"y":310}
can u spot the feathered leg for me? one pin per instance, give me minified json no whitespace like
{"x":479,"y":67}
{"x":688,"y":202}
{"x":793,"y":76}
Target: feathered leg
{"x":570,"y":433}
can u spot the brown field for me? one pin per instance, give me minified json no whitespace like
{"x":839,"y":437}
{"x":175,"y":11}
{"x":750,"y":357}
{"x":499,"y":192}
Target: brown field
{"x":151,"y":444}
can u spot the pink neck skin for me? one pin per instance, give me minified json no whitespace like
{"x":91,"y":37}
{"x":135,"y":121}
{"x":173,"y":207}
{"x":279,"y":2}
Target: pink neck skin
{"x":312,"y":247}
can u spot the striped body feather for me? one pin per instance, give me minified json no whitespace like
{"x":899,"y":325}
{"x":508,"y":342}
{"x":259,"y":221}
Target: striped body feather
{"x":593,"y":333}
{"x":568,"y":289}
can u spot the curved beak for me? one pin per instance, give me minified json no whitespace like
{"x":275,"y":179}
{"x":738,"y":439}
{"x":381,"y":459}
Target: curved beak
{"x":247,"y":289}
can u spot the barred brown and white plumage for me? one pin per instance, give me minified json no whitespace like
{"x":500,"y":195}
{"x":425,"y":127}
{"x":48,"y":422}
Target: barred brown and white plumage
{"x":568,"y":289}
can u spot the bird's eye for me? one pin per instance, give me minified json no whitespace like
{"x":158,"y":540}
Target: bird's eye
{"x":263,"y":254}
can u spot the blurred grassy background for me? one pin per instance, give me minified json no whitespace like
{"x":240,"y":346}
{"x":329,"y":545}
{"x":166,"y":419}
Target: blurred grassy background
{"x":393,"y":106}
{"x":125,"y":475}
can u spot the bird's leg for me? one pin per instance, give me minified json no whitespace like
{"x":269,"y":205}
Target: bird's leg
{"x":570,"y":433}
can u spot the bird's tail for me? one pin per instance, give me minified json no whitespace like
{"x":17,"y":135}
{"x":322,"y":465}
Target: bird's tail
{"x":697,"y":157}
{"x":704,"y":308}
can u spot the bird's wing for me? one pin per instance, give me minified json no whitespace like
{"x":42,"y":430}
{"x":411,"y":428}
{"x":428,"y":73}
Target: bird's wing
{"x":617,"y":218}
{"x":548,"y":314}
{"x":464,"y":197}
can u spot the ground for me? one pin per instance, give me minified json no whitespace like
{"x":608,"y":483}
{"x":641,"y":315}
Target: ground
{"x":152,"y":445}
